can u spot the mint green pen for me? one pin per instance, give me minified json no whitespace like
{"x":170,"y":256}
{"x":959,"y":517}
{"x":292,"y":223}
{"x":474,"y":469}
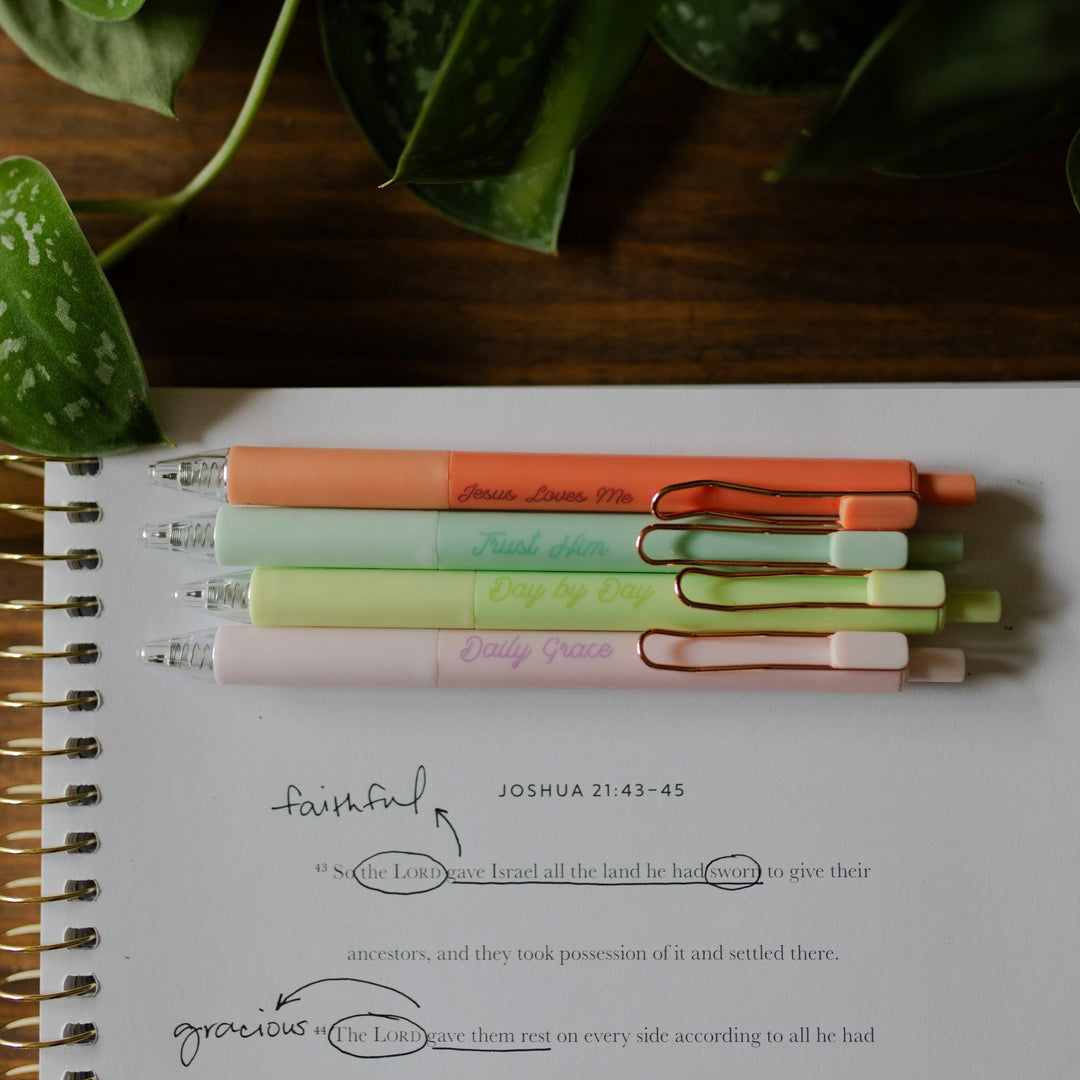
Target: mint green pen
{"x":909,"y":601}
{"x":479,"y":540}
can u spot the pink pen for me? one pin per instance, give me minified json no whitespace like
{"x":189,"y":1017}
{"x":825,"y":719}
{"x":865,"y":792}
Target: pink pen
{"x":859,"y":661}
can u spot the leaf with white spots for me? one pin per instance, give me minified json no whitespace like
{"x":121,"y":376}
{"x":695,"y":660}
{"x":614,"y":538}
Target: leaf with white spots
{"x":771,"y":46}
{"x":384,"y":56}
{"x":139,"y":59}
{"x":71,"y":381}
{"x":107,"y":10}
{"x":521,"y":84}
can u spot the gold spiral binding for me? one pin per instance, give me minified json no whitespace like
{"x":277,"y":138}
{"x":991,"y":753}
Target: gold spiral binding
{"x":83,"y":605}
{"x":25,"y":941}
{"x":82,"y":842}
{"x":31,"y":699}
{"x":32,"y":748}
{"x":74,"y":1033}
{"x":30,"y":795}
{"x":82,"y":653}
{"x":26,"y":458}
{"x":78,"y":986}
{"x":81,"y":558}
{"x":76,"y":938}
{"x":18,"y":1071}
{"x":76,"y":511}
{"x":80,"y":889}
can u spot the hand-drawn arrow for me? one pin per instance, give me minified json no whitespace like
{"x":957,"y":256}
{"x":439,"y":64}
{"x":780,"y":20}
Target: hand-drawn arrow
{"x":440,"y":817}
{"x":288,"y":999}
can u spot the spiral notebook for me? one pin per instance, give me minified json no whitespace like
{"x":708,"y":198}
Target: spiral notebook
{"x":490,"y":883}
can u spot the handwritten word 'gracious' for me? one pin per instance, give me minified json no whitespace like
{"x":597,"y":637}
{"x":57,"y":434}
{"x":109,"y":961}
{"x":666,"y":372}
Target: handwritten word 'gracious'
{"x":191,"y":1036}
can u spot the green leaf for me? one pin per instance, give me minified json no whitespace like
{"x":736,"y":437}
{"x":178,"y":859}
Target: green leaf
{"x":140,"y":60}
{"x":1072,"y":169}
{"x":107,"y":10}
{"x":384,"y":57}
{"x":523,"y":84}
{"x":952,"y":88}
{"x":70,"y":378}
{"x":771,"y":46}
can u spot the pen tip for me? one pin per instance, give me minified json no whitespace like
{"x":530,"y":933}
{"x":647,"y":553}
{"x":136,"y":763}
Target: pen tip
{"x":191,"y":594}
{"x":153,"y":654}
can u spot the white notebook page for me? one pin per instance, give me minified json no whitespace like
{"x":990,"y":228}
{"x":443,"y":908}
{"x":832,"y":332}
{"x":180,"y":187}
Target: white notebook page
{"x":916,"y":913}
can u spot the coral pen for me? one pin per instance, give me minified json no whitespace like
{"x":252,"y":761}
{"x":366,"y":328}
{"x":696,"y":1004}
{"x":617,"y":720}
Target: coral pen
{"x":855,"y":494}
{"x":844,"y":661}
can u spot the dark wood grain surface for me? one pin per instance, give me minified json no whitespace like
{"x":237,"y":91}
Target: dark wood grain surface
{"x":677,"y":263}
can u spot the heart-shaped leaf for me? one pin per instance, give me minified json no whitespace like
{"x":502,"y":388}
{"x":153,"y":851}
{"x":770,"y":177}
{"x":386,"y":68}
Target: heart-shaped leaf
{"x":140,"y":60}
{"x":107,"y":10}
{"x":771,"y":46}
{"x":522,"y":85}
{"x":70,"y":378}
{"x":951,"y":88}
{"x":384,"y":56}
{"x":1072,"y":169}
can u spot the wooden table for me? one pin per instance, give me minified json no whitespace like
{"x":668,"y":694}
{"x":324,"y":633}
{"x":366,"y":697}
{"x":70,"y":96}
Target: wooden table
{"x":677,"y":264}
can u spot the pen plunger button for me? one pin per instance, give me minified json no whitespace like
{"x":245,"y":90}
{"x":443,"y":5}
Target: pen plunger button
{"x":937,"y":665}
{"x":935,"y":548}
{"x":947,"y":489}
{"x":973,"y":606}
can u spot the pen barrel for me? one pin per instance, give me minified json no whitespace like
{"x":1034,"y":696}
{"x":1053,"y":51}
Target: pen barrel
{"x":628,"y":483}
{"x":286,"y":656}
{"x":463,"y":599}
{"x":276,"y":536}
{"x":640,"y":601}
{"x":322,"y":477}
{"x":383,"y":598}
{"x":281,"y":656}
{"x":571,"y":660}
{"x":484,"y":540}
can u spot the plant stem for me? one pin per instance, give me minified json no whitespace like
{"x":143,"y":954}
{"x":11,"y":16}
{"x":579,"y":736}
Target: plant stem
{"x":163,"y":210}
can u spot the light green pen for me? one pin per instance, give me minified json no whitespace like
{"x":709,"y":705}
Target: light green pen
{"x":909,"y":601}
{"x":478,"y":540}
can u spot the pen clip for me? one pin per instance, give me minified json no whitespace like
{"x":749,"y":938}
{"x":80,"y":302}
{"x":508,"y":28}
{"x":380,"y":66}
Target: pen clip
{"x":856,"y":509}
{"x":735,"y":575}
{"x":702,"y":526}
{"x":894,"y":656}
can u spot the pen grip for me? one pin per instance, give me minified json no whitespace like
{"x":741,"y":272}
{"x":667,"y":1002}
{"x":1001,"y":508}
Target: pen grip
{"x":309,"y":476}
{"x":628,"y":483}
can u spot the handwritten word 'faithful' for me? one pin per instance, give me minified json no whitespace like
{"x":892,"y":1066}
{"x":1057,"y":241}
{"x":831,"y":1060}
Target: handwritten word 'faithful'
{"x":378,"y":798}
